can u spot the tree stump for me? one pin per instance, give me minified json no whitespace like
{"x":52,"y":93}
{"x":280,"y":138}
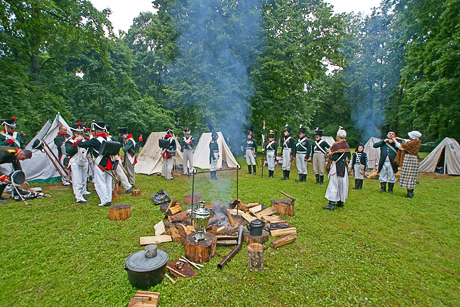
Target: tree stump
{"x":201,"y":251}
{"x":187,"y":200}
{"x":136,"y":192}
{"x":255,"y":257}
{"x":249,"y":239}
{"x":283,"y":206}
{"x":119,"y":212}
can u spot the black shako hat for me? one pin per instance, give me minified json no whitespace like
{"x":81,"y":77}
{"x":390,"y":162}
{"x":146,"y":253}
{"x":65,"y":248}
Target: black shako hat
{"x":271,"y":134}
{"x":78,"y":128}
{"x":187,"y":131}
{"x":318,"y":132}
{"x":98,"y":125}
{"x":9,"y":122}
{"x":301,"y":129}
{"x":287,"y":128}
{"x":123,"y":130}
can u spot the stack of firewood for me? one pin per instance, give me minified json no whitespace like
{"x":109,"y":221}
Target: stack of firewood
{"x":144,"y":298}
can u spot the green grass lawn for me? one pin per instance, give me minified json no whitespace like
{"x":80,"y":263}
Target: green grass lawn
{"x":379,"y":250}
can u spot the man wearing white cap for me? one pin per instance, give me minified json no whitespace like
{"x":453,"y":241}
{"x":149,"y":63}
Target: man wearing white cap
{"x":407,"y":157}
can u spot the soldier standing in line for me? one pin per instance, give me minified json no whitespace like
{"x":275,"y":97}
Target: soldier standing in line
{"x":11,"y":155}
{"x":288,"y":152}
{"x":10,"y":137}
{"x":272,"y":150}
{"x":187,"y":145}
{"x":302,"y":152}
{"x":387,"y":166}
{"x":213,"y":154}
{"x":78,"y":163}
{"x":168,"y":154}
{"x":320,"y":152}
{"x":359,"y":165}
{"x":59,"y":141}
{"x":250,"y":151}
{"x":129,"y":160}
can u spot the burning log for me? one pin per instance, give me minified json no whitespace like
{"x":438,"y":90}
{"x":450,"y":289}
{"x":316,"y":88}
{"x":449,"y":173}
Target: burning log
{"x":179,"y":217}
{"x":230,"y":218}
{"x":256,"y":257}
{"x":249,"y":239}
{"x":224,"y":261}
{"x":119,"y":212}
{"x":283,"y":240}
{"x":159,"y":228}
{"x":282,"y":232}
{"x":154,"y":239}
{"x":201,"y":251}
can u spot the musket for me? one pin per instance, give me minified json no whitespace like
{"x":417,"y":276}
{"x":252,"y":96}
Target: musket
{"x":59,"y":162}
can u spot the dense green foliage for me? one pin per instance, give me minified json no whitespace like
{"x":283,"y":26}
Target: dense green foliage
{"x":231,"y":64}
{"x":379,"y":250}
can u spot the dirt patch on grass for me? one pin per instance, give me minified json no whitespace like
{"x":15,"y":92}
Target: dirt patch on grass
{"x":435,"y":175}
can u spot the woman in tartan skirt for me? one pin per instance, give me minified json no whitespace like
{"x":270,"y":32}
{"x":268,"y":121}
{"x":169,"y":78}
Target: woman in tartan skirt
{"x":407,"y":157}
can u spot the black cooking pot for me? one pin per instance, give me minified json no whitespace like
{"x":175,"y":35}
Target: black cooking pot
{"x":255,"y":227}
{"x":146,"y":268}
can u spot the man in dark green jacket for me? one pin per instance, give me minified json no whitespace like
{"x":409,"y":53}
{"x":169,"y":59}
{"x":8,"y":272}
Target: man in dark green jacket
{"x":387,"y":166}
{"x":13,"y":156}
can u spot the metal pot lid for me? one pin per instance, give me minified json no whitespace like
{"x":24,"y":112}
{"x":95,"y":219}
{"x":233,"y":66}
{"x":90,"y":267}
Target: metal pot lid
{"x":257,"y":223}
{"x":137,"y":262}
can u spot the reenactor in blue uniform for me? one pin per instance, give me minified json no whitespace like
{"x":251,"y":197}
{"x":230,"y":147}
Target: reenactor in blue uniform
{"x":387,"y":166}
{"x":272,"y":150}
{"x":187,"y":146}
{"x":213,"y":154}
{"x":59,"y":141}
{"x":129,"y":160}
{"x":168,"y":154}
{"x":250,"y":151}
{"x":302,"y":153}
{"x":320,"y":152}
{"x":10,"y":137}
{"x":288,"y":152}
{"x":359,"y":165}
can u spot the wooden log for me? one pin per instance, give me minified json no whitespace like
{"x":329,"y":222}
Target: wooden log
{"x":152,"y":295}
{"x":184,"y":231}
{"x":283,"y":240}
{"x":227,"y":242}
{"x":235,"y":212}
{"x":154,"y":239}
{"x":255,"y":257}
{"x":136,"y":192}
{"x":173,"y":210}
{"x":266,"y":212}
{"x":159,"y":228}
{"x":119,"y":212}
{"x":222,"y":228}
{"x":164,"y":207}
{"x":175,"y":234}
{"x":282,"y":232}
{"x":201,"y":251}
{"x":187,"y":199}
{"x":283,"y":206}
{"x":238,"y":203}
{"x":247,"y":217}
{"x":256,"y":209}
{"x":248,"y":238}
{"x":225,"y":237}
{"x":251,"y":205}
{"x":279,"y":226}
{"x":230,"y":218}
{"x":178,"y":217}
{"x":274,"y":219}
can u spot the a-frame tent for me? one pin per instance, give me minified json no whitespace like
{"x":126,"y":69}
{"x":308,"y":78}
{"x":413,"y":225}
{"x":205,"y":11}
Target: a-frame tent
{"x":201,"y":155}
{"x":150,"y":160}
{"x":373,"y":154}
{"x":39,"y":168}
{"x":445,"y":155}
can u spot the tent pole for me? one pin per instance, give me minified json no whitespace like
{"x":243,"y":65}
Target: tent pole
{"x":445,"y":161}
{"x":193,"y":187}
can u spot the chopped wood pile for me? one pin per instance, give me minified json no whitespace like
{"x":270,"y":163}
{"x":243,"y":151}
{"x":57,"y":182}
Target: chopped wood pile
{"x":145,"y":298}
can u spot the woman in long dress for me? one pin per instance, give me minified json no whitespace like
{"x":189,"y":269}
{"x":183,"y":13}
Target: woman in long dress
{"x":407,"y":157}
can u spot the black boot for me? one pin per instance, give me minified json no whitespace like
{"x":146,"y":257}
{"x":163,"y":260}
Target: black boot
{"x":284,"y":175}
{"x":339,"y":204}
{"x":304,"y":179}
{"x":300,"y":178}
{"x":254,"y":168}
{"x":287,"y":174}
{"x":356,"y":184}
{"x":317,"y":179}
{"x":269,"y":174}
{"x":321,"y":180}
{"x":360,"y":184}
{"x":390,"y":187}
{"x":410,"y":193}
{"x":249,"y":169}
{"x":383,"y":185}
{"x":330,"y":207}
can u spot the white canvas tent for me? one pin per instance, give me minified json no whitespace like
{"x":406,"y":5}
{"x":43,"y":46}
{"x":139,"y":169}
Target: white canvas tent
{"x":329,"y":139}
{"x":39,"y":168}
{"x":150,"y":160}
{"x":373,"y":154}
{"x":201,"y":155}
{"x":445,"y":155}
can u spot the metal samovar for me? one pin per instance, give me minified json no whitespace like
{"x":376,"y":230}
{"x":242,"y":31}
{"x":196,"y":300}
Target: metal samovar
{"x":200,"y":216}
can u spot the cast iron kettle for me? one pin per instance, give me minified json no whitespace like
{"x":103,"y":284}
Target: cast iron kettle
{"x":146,"y":268}
{"x":255,"y":227}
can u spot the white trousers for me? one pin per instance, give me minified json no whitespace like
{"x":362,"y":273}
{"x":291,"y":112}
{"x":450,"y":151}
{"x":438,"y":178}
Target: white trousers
{"x":271,"y":160}
{"x":79,"y":175}
{"x":214,"y":162}
{"x":103,"y":185}
{"x":337,"y":189}
{"x":387,"y":174}
{"x":123,"y":178}
{"x":286,"y":159}
{"x":167,"y":168}
{"x":188,"y":161}
{"x":301,"y":163}
{"x":357,"y":170}
{"x":250,"y":157}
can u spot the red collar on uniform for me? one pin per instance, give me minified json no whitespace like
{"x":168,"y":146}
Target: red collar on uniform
{"x":101,"y":134}
{"x":167,"y":136}
{"x":61,"y":134}
{"x":130,"y":136}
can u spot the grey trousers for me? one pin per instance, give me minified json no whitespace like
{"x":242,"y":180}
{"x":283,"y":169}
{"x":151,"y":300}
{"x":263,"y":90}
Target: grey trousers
{"x":129,"y":167}
{"x":271,"y":160}
{"x":319,"y":161}
{"x":286,"y":159}
{"x":188,"y":161}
